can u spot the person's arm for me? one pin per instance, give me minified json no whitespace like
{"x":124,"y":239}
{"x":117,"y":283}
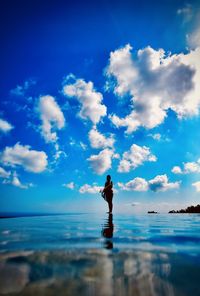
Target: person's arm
{"x":104,"y":188}
{"x":109,"y":185}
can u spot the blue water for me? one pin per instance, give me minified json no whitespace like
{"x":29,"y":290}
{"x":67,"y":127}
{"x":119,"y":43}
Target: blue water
{"x":100,"y":254}
{"x":173,"y":233}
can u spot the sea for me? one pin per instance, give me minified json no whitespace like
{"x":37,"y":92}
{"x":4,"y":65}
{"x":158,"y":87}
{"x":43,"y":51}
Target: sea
{"x":100,"y":254}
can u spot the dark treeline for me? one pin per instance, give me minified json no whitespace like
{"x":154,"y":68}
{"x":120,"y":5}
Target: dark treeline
{"x":191,"y":209}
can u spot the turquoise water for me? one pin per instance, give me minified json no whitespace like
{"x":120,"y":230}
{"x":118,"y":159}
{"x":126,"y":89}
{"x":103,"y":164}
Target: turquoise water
{"x":100,"y":254}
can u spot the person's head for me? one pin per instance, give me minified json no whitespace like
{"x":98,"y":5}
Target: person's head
{"x":108,"y":177}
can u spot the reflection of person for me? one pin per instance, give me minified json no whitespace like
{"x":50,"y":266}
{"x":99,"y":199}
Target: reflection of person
{"x":108,"y":192}
{"x":107,"y":232}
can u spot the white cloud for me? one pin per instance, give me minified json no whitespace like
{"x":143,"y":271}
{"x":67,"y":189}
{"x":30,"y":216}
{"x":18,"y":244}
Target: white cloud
{"x":98,"y":140}
{"x":134,"y":204}
{"x":192,"y":14}
{"x":16,"y":182}
{"x":13,"y":179}
{"x":116,"y":155}
{"x":176,"y":170}
{"x":188,"y":167}
{"x":101,"y":162}
{"x":191,"y":167}
{"x":159,"y":183}
{"x":90,"y":189}
{"x":156,"y":137}
{"x":70,"y":185}
{"x":90,"y":100}
{"x":83,"y":146}
{"x":135,"y":157}
{"x":20,"y":90}
{"x":186,"y":12}
{"x":137,"y":184}
{"x":5,"y":126}
{"x":72,"y":142}
{"x":193,"y":39}
{"x":156,"y":83}
{"x":58,"y":155}
{"x":52,"y":118}
{"x":4,"y":173}
{"x":197,"y":186}
{"x":19,"y":155}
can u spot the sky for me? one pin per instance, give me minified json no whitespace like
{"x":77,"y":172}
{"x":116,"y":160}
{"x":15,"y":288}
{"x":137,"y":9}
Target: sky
{"x":90,"y":88}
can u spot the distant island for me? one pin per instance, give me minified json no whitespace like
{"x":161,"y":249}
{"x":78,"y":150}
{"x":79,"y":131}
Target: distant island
{"x":152,"y":212}
{"x":189,"y":210}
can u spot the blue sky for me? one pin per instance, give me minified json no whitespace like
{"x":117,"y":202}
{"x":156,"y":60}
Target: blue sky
{"x":96,"y":88}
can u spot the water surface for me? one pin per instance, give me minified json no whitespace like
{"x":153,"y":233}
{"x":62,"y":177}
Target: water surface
{"x":100,"y":254}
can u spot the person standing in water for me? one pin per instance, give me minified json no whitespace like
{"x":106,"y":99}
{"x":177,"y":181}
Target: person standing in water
{"x":108,"y":192}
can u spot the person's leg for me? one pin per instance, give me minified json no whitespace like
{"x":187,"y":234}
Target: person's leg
{"x":110,"y":205}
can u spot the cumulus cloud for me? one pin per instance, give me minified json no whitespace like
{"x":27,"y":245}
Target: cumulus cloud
{"x":176,"y":170}
{"x":156,"y":82}
{"x":16,"y":182}
{"x":159,"y":183}
{"x":137,"y":184}
{"x":5,"y":126}
{"x":135,"y":157}
{"x":191,"y":167}
{"x":52,"y":118}
{"x":19,"y":155}
{"x":188,"y":167}
{"x":193,"y":38}
{"x":101,"y":162}
{"x":90,"y":189}
{"x":70,"y":185}
{"x":4,"y":173}
{"x":98,"y":140}
{"x":90,"y":100}
{"x":196,"y":185}
{"x":12,"y":178}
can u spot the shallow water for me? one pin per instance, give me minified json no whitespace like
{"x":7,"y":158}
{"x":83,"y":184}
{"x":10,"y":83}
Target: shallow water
{"x":100,"y":254}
